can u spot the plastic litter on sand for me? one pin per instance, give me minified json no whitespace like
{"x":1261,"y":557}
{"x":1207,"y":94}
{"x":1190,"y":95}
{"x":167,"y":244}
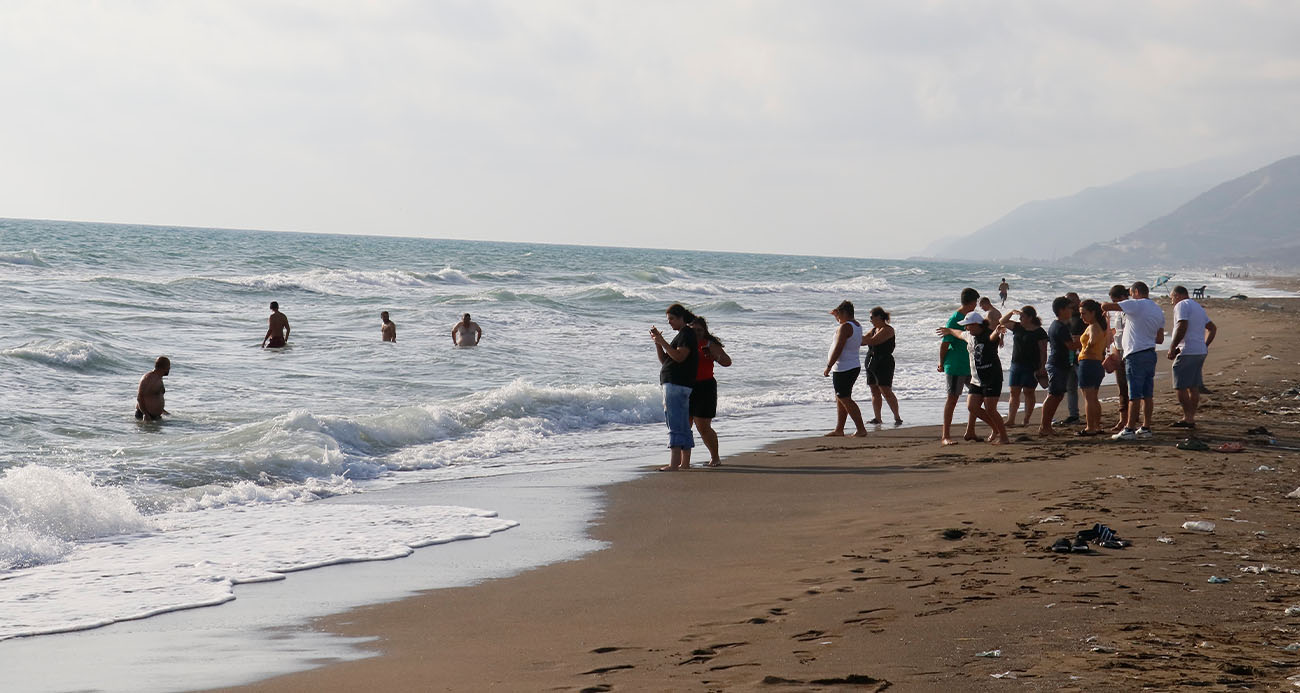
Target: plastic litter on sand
{"x":1216,"y":580}
{"x":1199,"y":526}
{"x":989,"y":653}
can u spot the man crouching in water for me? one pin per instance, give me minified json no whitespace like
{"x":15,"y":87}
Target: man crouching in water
{"x":149,"y":397}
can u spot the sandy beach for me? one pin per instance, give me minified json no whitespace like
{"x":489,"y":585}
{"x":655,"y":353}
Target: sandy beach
{"x":893,"y":562}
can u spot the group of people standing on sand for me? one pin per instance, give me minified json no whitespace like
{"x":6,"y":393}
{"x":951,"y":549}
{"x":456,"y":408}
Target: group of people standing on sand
{"x":149,"y":394}
{"x":1085,"y":340}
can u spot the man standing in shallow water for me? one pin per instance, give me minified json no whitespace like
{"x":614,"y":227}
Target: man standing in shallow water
{"x":277,"y":329}
{"x":466,"y":332}
{"x":149,"y":396}
{"x":389,"y":329}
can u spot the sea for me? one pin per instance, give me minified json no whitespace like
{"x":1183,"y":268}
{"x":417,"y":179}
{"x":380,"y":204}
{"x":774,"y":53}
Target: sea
{"x":264,"y":467}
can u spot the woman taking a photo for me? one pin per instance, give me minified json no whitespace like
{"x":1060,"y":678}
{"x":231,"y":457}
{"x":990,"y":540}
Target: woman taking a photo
{"x":678,"y":361}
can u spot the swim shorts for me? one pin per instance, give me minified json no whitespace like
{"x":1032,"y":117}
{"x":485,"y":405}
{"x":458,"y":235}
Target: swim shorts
{"x":843,"y":382}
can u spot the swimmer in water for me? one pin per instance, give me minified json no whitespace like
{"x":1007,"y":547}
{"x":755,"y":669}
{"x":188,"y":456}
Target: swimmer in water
{"x":149,"y":396}
{"x":277,"y":329}
{"x":466,"y":332}
{"x":389,"y":329}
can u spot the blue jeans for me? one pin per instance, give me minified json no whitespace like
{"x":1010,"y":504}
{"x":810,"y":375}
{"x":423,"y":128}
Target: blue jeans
{"x":677,"y":412}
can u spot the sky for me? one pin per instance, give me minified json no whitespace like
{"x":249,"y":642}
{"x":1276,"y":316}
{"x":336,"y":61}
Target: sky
{"x":821,"y":127}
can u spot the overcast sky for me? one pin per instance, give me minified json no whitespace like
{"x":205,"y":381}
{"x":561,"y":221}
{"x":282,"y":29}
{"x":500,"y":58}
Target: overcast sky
{"x":818,"y":127}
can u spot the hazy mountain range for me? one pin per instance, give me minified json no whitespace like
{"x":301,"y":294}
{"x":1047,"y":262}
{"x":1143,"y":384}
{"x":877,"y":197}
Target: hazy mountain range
{"x":1204,"y":214}
{"x":1254,"y":219}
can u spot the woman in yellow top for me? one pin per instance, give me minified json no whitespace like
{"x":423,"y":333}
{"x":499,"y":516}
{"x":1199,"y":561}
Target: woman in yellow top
{"x":1092,"y":349}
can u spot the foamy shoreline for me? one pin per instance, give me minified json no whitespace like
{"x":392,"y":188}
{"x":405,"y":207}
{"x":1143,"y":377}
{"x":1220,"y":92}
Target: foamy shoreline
{"x":822,"y":561}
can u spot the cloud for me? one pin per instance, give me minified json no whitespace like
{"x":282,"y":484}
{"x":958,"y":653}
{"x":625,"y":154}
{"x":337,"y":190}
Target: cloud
{"x":864,"y":128}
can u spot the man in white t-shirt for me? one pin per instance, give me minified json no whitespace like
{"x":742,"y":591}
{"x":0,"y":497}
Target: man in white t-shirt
{"x":1193,"y":333}
{"x":1144,"y":328}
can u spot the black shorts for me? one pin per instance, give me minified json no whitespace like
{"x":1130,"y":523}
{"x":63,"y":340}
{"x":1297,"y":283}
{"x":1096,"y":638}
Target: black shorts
{"x":843,"y":382}
{"x":880,"y":371}
{"x":986,"y":388}
{"x":704,"y":399}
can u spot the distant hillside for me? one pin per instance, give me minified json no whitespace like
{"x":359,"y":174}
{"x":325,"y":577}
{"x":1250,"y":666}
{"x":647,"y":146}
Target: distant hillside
{"x":1254,"y":219}
{"x":1049,"y":229}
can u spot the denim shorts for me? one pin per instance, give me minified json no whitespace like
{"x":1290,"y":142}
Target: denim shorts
{"x":1187,"y":371}
{"x":1058,"y":379}
{"x":1140,"y":369}
{"x":1023,"y":376}
{"x":1090,"y":374}
{"x":677,"y":412}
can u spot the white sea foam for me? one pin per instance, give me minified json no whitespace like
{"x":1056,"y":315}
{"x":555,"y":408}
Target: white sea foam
{"x":303,"y":455}
{"x":60,"y":353}
{"x":343,"y":282}
{"x":195,"y":558}
{"x":26,"y":257}
{"x":44,"y":510}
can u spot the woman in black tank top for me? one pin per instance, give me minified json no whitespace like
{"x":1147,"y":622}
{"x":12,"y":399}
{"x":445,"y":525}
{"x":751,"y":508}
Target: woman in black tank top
{"x":880,"y":342}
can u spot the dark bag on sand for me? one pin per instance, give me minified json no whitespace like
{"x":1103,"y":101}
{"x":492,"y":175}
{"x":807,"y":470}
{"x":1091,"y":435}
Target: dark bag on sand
{"x":1111,"y":362}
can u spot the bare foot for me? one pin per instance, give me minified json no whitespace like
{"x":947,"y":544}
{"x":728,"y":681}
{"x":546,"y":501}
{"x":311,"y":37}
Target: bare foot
{"x":947,"y":441}
{"x":971,"y":437}
{"x":874,"y":421}
{"x":1001,"y":441}
{"x":860,"y":434}
{"x":1046,"y":432}
{"x":835,"y":434}
{"x":991,"y":438}
{"x":714,"y":463}
{"x":668,"y":468}
{"x":898,"y":422}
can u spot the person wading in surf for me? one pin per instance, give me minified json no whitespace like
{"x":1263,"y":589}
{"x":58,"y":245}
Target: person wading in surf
{"x":277,"y":328}
{"x":149,"y":396}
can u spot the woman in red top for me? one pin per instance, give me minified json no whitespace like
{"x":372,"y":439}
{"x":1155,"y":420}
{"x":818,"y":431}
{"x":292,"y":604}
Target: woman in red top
{"x":704,"y":396}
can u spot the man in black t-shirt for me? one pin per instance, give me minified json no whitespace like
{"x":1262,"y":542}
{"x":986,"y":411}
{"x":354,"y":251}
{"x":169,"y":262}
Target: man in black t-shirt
{"x":1072,"y":381}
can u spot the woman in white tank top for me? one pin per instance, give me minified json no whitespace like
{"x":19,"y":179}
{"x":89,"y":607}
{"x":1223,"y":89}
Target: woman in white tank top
{"x":844,"y":362}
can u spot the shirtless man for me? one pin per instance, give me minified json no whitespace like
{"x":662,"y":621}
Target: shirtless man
{"x":149,"y":396}
{"x":466,"y":332}
{"x":389,"y":330}
{"x":1003,"y":288}
{"x":277,"y":330}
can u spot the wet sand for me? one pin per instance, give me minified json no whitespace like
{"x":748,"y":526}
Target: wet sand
{"x":890,"y":561}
